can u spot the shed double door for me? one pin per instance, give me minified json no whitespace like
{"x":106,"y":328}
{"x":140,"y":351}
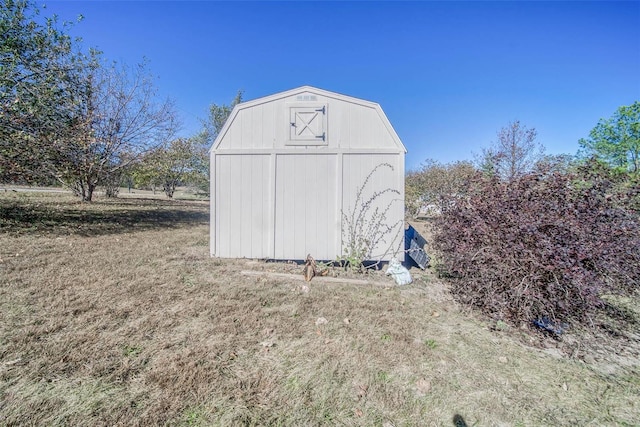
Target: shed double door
{"x":307,"y":207}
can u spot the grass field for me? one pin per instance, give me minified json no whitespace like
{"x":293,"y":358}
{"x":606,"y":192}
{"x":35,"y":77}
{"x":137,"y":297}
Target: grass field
{"x":113,"y":313}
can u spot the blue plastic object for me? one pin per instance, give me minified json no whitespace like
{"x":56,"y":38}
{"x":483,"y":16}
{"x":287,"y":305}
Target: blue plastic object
{"x":414,"y":247}
{"x":550,"y":326}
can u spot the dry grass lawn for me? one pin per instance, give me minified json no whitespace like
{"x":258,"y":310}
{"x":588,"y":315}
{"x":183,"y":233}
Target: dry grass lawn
{"x":113,"y":313}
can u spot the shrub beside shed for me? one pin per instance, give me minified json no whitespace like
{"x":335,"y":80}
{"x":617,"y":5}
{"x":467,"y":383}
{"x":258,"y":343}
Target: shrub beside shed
{"x":292,"y":172}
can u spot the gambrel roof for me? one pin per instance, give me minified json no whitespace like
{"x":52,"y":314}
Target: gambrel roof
{"x":338,"y":126}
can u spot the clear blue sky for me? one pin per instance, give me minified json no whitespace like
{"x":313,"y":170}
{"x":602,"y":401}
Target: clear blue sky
{"x":448,"y":75}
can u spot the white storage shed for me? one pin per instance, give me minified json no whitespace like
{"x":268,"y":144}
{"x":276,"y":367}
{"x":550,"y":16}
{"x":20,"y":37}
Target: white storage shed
{"x":307,"y":171}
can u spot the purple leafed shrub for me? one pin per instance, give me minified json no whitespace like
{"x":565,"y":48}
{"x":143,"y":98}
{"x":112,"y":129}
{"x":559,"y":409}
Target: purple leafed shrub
{"x":543,"y":245}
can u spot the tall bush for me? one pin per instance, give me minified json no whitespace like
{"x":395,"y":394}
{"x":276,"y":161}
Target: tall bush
{"x":542,"y":245}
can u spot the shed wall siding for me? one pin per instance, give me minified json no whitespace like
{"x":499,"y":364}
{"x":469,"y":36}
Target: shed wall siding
{"x":374,"y":174}
{"x":242,"y":205}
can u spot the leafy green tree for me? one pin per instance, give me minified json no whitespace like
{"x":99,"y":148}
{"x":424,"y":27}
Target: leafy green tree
{"x":143,"y":174}
{"x":218,"y":115}
{"x":181,"y":161}
{"x":212,"y":125}
{"x":200,"y":149}
{"x":39,"y":76}
{"x":616,"y":140}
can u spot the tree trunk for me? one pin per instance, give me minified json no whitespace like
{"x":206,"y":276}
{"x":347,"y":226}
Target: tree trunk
{"x":169,"y":188}
{"x":112,"y":190}
{"x":88,"y":193}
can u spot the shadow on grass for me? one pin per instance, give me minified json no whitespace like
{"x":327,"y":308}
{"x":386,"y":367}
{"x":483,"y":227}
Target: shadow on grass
{"x":65,"y":216}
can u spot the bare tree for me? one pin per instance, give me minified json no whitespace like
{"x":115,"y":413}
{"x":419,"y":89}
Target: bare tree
{"x":515,"y":152}
{"x":117,"y":121}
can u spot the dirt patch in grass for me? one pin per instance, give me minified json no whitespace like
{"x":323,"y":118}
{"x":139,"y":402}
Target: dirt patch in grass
{"x":139,"y":326}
